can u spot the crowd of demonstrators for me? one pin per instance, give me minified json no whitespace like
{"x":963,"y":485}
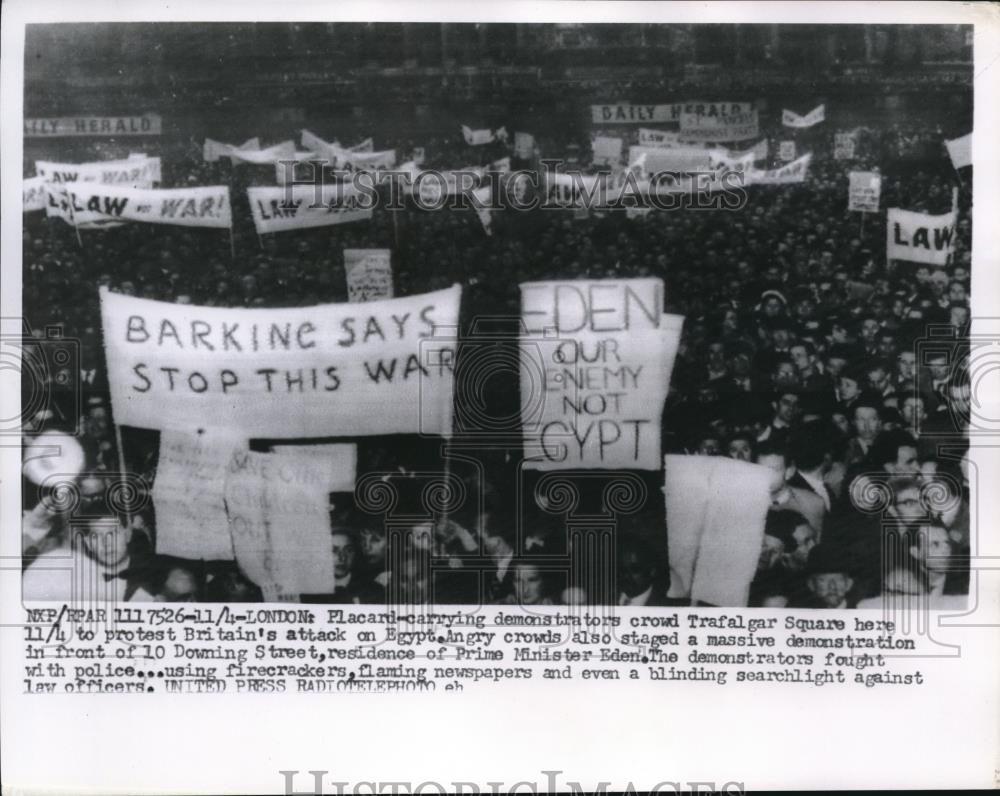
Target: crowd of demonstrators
{"x":803,"y":351}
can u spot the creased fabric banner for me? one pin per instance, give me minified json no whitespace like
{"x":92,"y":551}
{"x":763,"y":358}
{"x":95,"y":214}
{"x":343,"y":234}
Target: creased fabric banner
{"x":368,"y":273}
{"x":383,"y":367}
{"x":278,"y":209}
{"x":716,"y":508}
{"x":213,"y":150}
{"x":653,"y":160}
{"x":717,"y":124}
{"x":304,"y":167}
{"x":188,"y":494}
{"x":783,"y":175}
{"x":206,"y":206}
{"x":815,"y":116}
{"x":368,"y":145}
{"x":843,"y":146}
{"x":960,"y":151}
{"x":864,"y":191}
{"x":366,"y":161}
{"x":132,"y":172}
{"x":524,"y":146}
{"x":477,"y":137}
{"x":147,"y":124}
{"x":314,"y":143}
{"x":33,"y":189}
{"x":659,"y":138}
{"x":279,"y":517}
{"x":596,"y":358}
{"x":607,"y":150}
{"x":920,"y":237}
{"x":264,"y":157}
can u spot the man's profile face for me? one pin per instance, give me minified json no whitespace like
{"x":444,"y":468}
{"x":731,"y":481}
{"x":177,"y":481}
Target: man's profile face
{"x":830,"y":588}
{"x":343,"y":555}
{"x":933,"y":548}
{"x":776,"y":464}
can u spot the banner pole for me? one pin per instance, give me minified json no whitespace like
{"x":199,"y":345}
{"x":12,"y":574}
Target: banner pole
{"x":861,"y":232}
{"x":72,"y":215}
{"x":232,"y":244}
{"x":121,"y":471}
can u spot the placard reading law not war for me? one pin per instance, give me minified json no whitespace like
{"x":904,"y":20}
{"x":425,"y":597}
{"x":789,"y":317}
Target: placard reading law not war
{"x":383,"y":367}
{"x":596,"y":358}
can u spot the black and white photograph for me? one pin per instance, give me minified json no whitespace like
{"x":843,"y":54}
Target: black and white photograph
{"x":571,"y":343}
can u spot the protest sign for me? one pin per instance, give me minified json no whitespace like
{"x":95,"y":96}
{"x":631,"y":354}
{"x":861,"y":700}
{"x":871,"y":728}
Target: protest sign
{"x":658,"y":159}
{"x":264,"y":157}
{"x":658,"y":138}
{"x":277,"y":209}
{"x":369,"y":274}
{"x":147,"y":124}
{"x":717,"y":122}
{"x":279,"y":516}
{"x":33,"y":190}
{"x":596,"y":358}
{"x":786,"y":151}
{"x":607,"y":150}
{"x":524,"y":145}
{"x":575,"y":189}
{"x":280,"y":373}
{"x":960,"y":151}
{"x":815,"y":116}
{"x":131,"y":172}
{"x":715,"y":510}
{"x":206,"y":206}
{"x":843,"y":146}
{"x":477,"y":137}
{"x":864,"y":191}
{"x":188,"y":494}
{"x":365,"y":161}
{"x":920,"y":237}
{"x":783,"y":175}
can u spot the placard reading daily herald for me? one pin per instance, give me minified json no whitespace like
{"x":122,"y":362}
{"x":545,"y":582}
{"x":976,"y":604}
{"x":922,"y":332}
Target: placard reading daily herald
{"x":596,"y":358}
{"x":383,"y":367}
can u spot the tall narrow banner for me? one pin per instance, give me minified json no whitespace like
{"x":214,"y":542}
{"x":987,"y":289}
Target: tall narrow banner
{"x":368,"y":273}
{"x":864,"y":191}
{"x":279,"y":518}
{"x":206,"y":206}
{"x":33,"y":190}
{"x":332,"y":370}
{"x":596,"y":358}
{"x":713,"y":125}
{"x":607,"y":150}
{"x":524,"y":146}
{"x":147,"y":124}
{"x":659,"y":138}
{"x":716,"y":508}
{"x":188,"y":494}
{"x":843,"y":146}
{"x":278,"y":209}
{"x":920,"y":237}
{"x":960,"y":151}
{"x":815,"y":116}
{"x":784,"y":175}
{"x":786,"y":151}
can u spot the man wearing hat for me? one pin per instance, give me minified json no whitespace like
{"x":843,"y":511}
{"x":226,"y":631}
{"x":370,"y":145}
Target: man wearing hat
{"x":828,"y":579}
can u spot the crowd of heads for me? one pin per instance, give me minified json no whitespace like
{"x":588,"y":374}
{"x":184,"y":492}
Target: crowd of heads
{"x":803,"y":351}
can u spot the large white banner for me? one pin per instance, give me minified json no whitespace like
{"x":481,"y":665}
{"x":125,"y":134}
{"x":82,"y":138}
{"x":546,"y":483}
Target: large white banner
{"x":653,"y":160}
{"x":383,"y":367}
{"x":368,"y":273}
{"x":206,"y":206}
{"x":213,"y":150}
{"x":147,"y":124}
{"x":791,"y":173}
{"x":815,"y":116}
{"x":278,"y":209}
{"x":596,"y":358}
{"x":960,"y":151}
{"x":864,"y":191}
{"x":33,"y":190}
{"x":264,"y":157}
{"x":716,"y":123}
{"x":920,"y":237}
{"x":134,"y":172}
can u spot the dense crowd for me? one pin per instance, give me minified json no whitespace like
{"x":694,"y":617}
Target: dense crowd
{"x":803,"y":350}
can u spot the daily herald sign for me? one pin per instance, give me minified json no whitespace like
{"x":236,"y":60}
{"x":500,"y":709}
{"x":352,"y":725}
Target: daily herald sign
{"x":627,"y":113}
{"x":383,"y":367}
{"x":147,"y":124}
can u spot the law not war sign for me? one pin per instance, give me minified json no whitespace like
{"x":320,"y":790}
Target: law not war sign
{"x":206,"y":206}
{"x":383,"y":367}
{"x":920,"y":237}
{"x":596,"y":358}
{"x":278,"y":209}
